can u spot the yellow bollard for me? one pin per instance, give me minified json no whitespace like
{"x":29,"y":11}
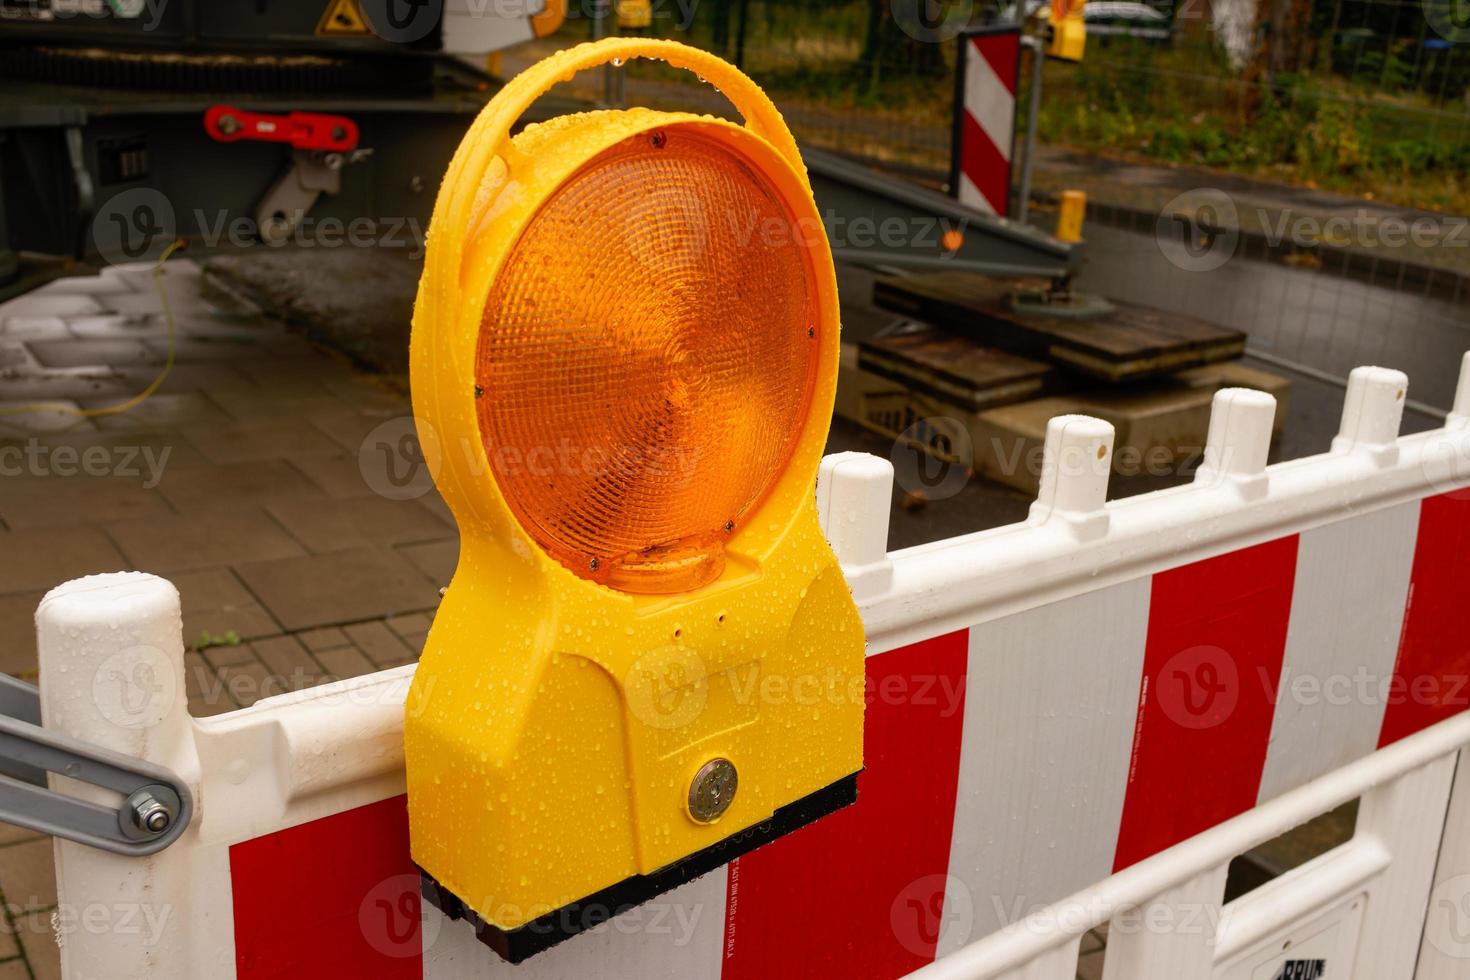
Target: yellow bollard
{"x":634,"y":14}
{"x":1069,"y":218}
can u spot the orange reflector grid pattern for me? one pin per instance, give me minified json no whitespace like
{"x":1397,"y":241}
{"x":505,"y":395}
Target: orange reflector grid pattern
{"x":646,"y":359}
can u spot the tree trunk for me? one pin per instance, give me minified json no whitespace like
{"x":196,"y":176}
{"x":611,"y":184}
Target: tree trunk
{"x":1285,"y":35}
{"x":720,"y":27}
{"x":913,"y":48}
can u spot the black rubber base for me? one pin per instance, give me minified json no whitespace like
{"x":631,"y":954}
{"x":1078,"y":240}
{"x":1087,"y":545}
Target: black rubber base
{"x":546,"y":931}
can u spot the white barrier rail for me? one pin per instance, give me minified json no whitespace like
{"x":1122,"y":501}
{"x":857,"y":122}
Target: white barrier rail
{"x":1024,"y":740}
{"x":1075,"y":541}
{"x":1405,"y":790}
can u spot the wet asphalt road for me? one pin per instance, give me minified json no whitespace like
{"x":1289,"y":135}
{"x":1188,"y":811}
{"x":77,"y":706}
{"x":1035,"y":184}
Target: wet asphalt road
{"x":1313,"y":318}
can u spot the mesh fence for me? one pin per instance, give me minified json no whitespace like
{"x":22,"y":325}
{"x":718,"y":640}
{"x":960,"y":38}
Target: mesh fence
{"x":1368,"y":98}
{"x":1363,"y":96}
{"x":850,"y":77}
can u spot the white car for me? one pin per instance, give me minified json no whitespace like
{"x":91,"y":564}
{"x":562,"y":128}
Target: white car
{"x":1108,"y":17}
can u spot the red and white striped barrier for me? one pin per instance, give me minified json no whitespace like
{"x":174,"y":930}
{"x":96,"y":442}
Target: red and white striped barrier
{"x":985,"y":117}
{"x":1109,"y":699}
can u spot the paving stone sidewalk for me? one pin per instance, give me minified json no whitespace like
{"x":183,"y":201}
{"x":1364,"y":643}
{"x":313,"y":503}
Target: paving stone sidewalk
{"x":272,"y":484}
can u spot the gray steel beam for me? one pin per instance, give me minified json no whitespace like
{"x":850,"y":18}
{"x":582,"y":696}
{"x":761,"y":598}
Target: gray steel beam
{"x":856,"y":202}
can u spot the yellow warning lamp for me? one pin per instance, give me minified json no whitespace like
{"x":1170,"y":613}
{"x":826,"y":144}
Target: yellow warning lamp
{"x":1070,"y":215}
{"x":624,"y":360}
{"x":1068,"y":36}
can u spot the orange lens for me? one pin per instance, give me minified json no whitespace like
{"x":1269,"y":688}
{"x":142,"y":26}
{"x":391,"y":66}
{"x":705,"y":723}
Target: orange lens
{"x":647,"y":357}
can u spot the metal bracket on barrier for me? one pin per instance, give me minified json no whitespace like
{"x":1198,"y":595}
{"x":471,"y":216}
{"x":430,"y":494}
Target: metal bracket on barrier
{"x":156,"y":805}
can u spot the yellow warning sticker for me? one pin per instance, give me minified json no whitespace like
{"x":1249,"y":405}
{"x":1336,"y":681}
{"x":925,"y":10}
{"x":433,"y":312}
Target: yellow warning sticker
{"x":343,"y":18}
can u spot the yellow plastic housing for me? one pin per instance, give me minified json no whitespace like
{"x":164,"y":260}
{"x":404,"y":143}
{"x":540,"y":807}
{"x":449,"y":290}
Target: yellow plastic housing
{"x":551,"y":17}
{"x":1068,"y":41}
{"x":558,"y":715}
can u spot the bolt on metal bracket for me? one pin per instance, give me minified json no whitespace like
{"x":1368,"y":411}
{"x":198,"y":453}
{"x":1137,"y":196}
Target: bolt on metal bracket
{"x":154,"y":808}
{"x":312,"y":173}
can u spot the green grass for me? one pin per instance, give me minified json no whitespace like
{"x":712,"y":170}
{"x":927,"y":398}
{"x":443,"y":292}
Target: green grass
{"x":1320,"y":130}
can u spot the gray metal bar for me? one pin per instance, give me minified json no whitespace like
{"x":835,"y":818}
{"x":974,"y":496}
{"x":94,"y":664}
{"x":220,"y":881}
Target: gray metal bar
{"x":37,"y":808}
{"x":155,"y":806}
{"x":1033,"y":107}
{"x":847,"y":192}
{"x":905,"y":261}
{"x":19,"y":700}
{"x":22,"y":702}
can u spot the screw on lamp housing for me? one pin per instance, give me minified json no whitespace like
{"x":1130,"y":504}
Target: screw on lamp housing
{"x":713,"y":790}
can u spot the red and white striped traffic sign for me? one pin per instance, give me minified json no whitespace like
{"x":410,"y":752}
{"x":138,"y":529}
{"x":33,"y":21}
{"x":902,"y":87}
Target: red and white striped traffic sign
{"x":985,"y":117}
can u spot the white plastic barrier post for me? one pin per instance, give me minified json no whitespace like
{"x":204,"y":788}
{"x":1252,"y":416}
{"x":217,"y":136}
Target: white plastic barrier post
{"x":1238,"y":443}
{"x":112,"y":675}
{"x":854,"y":497}
{"x":1444,"y":953}
{"x":1372,"y":413}
{"x":1059,"y":963}
{"x":1406,"y":818}
{"x":1170,"y":935}
{"x":1076,"y":461}
{"x":1447,"y":456}
{"x":1461,"y":411}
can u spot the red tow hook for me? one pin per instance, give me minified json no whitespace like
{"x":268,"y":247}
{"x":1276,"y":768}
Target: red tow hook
{"x":302,"y":130}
